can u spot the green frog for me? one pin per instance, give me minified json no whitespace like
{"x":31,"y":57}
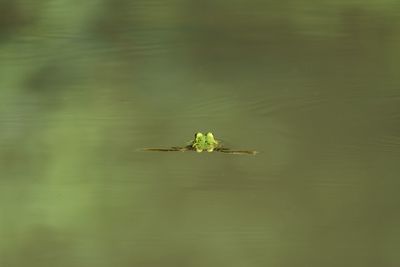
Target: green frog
{"x":204,"y":142}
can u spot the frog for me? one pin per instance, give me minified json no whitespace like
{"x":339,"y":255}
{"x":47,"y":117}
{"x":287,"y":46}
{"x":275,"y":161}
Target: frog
{"x":203,"y":142}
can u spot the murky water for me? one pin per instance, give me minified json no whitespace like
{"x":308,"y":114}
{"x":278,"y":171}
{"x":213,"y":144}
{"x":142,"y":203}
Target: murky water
{"x":314,"y":87}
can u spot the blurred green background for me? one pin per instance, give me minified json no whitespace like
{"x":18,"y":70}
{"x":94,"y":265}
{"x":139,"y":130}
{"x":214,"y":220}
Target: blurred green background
{"x":313,"y":85}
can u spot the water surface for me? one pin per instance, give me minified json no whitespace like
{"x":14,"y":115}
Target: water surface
{"x":313,"y":86}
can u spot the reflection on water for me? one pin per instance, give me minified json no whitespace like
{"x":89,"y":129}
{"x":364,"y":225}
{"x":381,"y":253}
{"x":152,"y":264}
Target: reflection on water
{"x":314,"y":87}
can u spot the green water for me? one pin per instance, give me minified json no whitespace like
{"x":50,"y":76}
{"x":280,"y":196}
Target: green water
{"x":314,"y":86}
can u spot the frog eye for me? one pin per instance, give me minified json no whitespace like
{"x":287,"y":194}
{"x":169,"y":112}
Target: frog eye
{"x":198,"y":135}
{"x":210,"y":135}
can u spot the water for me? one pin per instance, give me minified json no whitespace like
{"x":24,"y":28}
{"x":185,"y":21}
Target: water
{"x":314,"y":87}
